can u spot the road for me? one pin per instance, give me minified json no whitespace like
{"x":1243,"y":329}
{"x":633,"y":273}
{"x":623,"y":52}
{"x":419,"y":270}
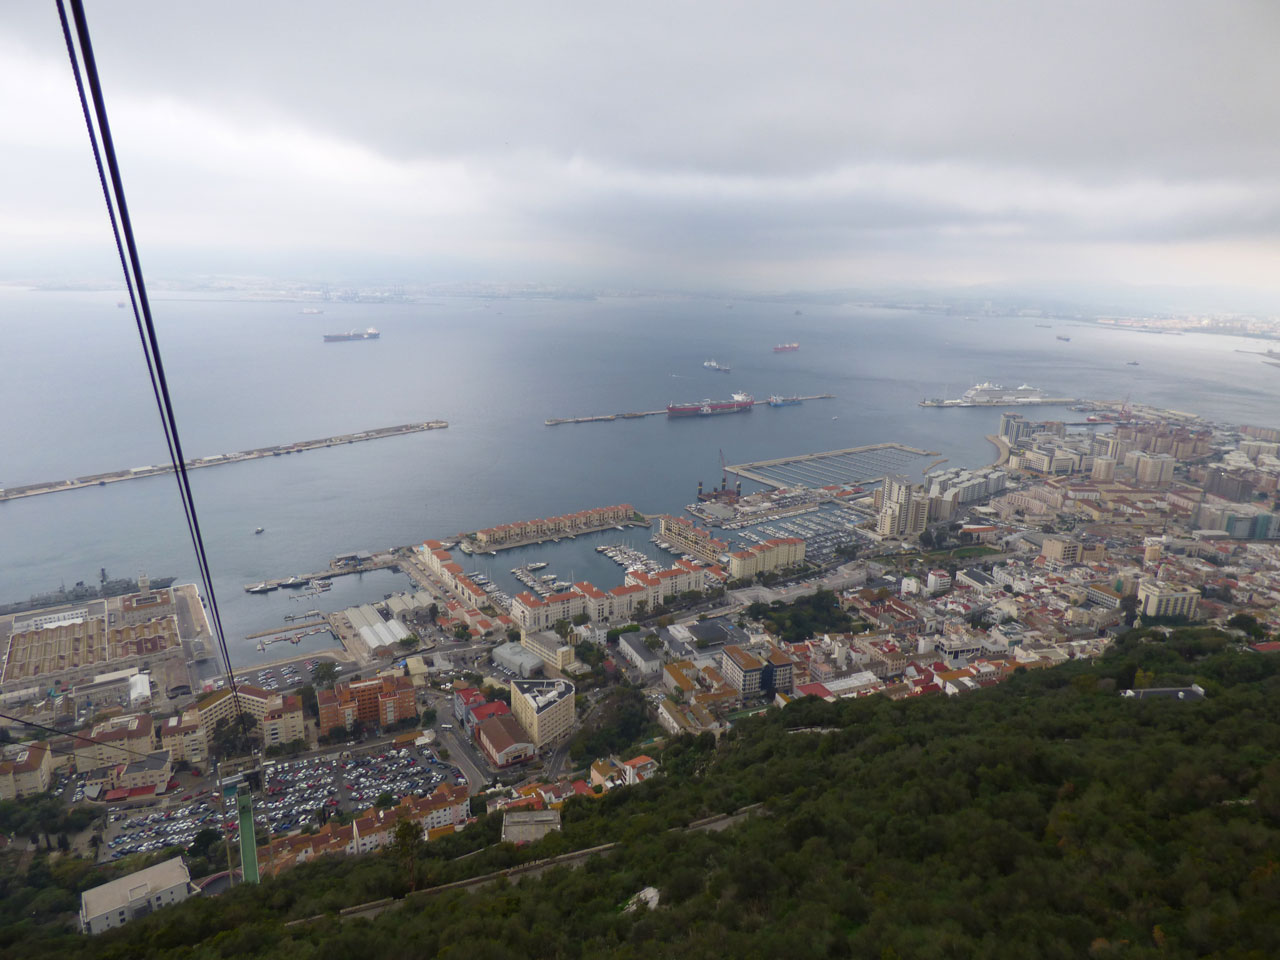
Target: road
{"x":460,"y":755}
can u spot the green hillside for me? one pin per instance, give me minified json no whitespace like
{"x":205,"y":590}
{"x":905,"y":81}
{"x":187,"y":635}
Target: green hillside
{"x":1048,"y":817}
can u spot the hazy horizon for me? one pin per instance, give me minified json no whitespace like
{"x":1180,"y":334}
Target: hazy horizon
{"x":1093,"y":154}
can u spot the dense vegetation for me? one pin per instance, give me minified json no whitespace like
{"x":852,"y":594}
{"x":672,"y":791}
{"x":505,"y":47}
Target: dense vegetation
{"x":803,"y":617}
{"x":1048,"y":817}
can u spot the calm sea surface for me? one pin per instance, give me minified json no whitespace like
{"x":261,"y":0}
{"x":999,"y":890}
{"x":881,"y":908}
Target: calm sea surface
{"x":76,"y":401}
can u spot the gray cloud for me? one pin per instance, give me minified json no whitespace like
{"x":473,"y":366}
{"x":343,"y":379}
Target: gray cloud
{"x":591,"y":137}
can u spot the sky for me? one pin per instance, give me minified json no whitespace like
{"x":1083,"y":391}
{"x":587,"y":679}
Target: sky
{"x":753,"y":146}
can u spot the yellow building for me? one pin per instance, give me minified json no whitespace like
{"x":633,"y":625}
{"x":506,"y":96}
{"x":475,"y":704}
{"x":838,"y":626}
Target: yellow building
{"x":1159,"y":599}
{"x":775,"y":554}
{"x":545,"y":708}
{"x":26,"y":773}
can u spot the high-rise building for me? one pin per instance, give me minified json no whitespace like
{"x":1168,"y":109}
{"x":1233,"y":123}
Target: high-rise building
{"x":902,"y":510}
{"x":544,"y":708}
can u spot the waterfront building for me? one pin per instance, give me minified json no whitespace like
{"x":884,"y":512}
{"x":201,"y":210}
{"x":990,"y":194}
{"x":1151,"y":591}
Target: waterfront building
{"x":524,"y":531}
{"x":110,"y":905}
{"x":776,"y":554}
{"x":693,"y":540}
{"x":902,"y":509}
{"x":544,"y":708}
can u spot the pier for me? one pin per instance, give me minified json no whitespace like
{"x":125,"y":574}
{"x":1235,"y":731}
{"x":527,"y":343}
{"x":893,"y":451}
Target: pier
{"x":556,"y":421}
{"x":379,"y":562}
{"x":137,"y":473}
{"x":831,"y":467}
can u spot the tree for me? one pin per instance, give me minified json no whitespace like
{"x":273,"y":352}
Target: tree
{"x":384,"y":800}
{"x":462,"y":632}
{"x":433,"y":612}
{"x":428,"y":716}
{"x":926,"y":539}
{"x":1129,"y":604}
{"x":234,"y":736}
{"x":562,"y":629}
{"x":310,"y":703}
{"x":407,"y":847}
{"x":409,"y":642}
{"x":581,"y":619}
{"x":325,"y":674}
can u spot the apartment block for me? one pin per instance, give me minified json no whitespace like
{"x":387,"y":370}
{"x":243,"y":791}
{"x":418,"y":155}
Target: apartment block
{"x":544,"y":708}
{"x":1157,"y":598}
{"x":376,"y":702}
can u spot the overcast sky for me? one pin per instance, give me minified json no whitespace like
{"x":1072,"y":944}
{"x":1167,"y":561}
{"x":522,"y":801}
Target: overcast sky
{"x":676,"y":145}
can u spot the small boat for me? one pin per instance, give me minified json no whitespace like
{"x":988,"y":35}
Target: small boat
{"x":259,"y":530}
{"x":1132,"y":363}
{"x":1064,"y":339}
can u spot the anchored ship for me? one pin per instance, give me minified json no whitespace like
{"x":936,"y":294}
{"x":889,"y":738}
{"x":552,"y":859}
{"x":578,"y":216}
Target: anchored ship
{"x":740,"y":403}
{"x":786,"y":347}
{"x":370,"y":334}
{"x":716,"y":365}
{"x":992,"y":394}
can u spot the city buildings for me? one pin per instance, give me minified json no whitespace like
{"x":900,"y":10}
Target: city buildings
{"x":113,"y":904}
{"x":375,"y":702}
{"x":504,"y":740}
{"x":1160,"y":599}
{"x":902,"y":509}
{"x":776,"y":554}
{"x":544,"y":708}
{"x":26,"y":773}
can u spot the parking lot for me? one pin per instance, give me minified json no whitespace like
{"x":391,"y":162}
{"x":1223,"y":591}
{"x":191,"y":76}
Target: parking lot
{"x":293,"y":792}
{"x":151,"y":829}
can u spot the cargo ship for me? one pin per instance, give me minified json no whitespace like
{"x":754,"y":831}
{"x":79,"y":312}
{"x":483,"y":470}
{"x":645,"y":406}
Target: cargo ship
{"x":716,"y":365}
{"x":1064,"y":339}
{"x":776,"y":401}
{"x":786,"y":347}
{"x":370,"y":334}
{"x":740,"y":403}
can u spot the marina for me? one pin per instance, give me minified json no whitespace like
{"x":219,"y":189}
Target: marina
{"x":555,"y":421}
{"x":137,"y":473}
{"x":833,"y":467}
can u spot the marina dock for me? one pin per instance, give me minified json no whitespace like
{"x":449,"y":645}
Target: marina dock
{"x":102,"y":479}
{"x":832,"y":467}
{"x":556,"y":421}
